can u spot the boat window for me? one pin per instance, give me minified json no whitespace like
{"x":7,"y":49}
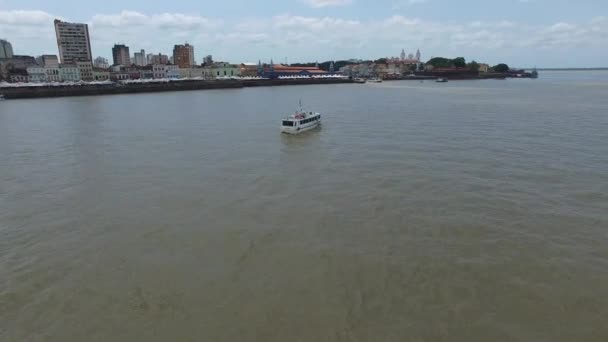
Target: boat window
{"x":288,"y":123}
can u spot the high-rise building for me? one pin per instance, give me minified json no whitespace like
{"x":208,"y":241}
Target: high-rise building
{"x":6,"y":49}
{"x":183,"y":55}
{"x":121,"y":55}
{"x":208,"y":60}
{"x":73,"y":42}
{"x":140,"y":58}
{"x":101,"y":62}
{"x":158,"y":59}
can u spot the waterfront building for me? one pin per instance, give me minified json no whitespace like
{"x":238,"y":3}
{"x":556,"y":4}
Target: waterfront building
{"x":101,"y":63}
{"x":192,"y":72}
{"x":159,"y":71}
{"x":278,"y":70}
{"x":140,"y":58}
{"x":101,"y":74}
{"x":146,"y":72}
{"x":222,"y":69}
{"x":183,"y":55}
{"x":36,"y":74}
{"x":121,"y":55}
{"x":69,"y":73}
{"x":248,"y":69}
{"x":484,"y":67}
{"x":172,"y":71}
{"x":86,"y":70}
{"x":73,"y":42}
{"x":52,"y":74}
{"x":18,"y":76}
{"x":6,"y":49}
{"x":119,"y":76}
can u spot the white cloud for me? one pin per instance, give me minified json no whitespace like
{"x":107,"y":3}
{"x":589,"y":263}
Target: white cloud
{"x":163,"y":20}
{"x":327,"y":3}
{"x":24,"y":18}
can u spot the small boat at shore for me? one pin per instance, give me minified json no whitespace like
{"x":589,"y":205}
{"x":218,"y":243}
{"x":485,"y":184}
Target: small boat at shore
{"x":2,"y":97}
{"x":359,"y":80}
{"x":301,"y":121}
{"x":441,"y":80}
{"x":375,"y":80}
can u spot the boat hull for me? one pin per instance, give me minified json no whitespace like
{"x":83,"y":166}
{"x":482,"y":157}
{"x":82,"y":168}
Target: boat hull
{"x":301,"y":129}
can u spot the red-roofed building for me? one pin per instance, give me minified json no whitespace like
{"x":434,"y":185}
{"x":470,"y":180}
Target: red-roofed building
{"x":277,"y":70}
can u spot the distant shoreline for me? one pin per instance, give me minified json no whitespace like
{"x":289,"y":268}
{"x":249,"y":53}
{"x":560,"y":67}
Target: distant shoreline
{"x":568,"y":69}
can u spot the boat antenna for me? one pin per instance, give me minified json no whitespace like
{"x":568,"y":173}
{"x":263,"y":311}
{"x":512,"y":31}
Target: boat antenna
{"x":300,"y":104}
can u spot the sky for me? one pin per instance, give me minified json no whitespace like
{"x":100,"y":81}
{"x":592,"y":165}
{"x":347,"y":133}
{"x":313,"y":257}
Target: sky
{"x":524,"y":33}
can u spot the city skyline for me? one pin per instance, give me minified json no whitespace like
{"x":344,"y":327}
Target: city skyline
{"x":309,"y":30}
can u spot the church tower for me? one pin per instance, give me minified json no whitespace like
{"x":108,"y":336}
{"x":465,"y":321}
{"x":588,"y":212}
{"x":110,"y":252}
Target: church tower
{"x":402,"y":54}
{"x":331,"y":67}
{"x":418,"y":56}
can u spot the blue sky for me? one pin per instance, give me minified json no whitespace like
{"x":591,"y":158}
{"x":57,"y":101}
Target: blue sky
{"x":547,"y":33}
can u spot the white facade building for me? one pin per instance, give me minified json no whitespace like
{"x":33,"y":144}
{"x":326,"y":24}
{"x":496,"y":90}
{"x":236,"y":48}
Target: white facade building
{"x":43,"y":74}
{"x":166,"y":71}
{"x":52,"y":74}
{"x":36,"y":74}
{"x":69,"y":73}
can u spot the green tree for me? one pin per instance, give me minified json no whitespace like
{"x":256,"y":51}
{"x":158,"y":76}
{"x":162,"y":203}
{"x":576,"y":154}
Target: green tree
{"x":440,"y":62}
{"x":380,"y":61}
{"x":459,"y":62}
{"x":473,"y":66}
{"x":414,"y":67}
{"x":501,"y":68}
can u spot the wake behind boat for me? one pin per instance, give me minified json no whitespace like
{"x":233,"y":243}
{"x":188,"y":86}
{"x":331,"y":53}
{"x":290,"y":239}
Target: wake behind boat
{"x":300,"y":121}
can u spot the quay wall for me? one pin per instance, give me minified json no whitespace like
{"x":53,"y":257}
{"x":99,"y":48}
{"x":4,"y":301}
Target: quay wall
{"x":134,"y":88}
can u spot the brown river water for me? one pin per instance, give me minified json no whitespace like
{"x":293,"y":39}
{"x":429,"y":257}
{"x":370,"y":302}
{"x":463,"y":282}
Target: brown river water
{"x":465,"y":211}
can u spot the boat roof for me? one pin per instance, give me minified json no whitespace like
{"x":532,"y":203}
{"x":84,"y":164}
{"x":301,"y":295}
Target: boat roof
{"x":301,"y":115}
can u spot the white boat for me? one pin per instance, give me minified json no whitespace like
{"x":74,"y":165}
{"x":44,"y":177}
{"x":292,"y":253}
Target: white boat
{"x":375,"y":80}
{"x":2,"y":97}
{"x":441,"y":80}
{"x":300,"y":121}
